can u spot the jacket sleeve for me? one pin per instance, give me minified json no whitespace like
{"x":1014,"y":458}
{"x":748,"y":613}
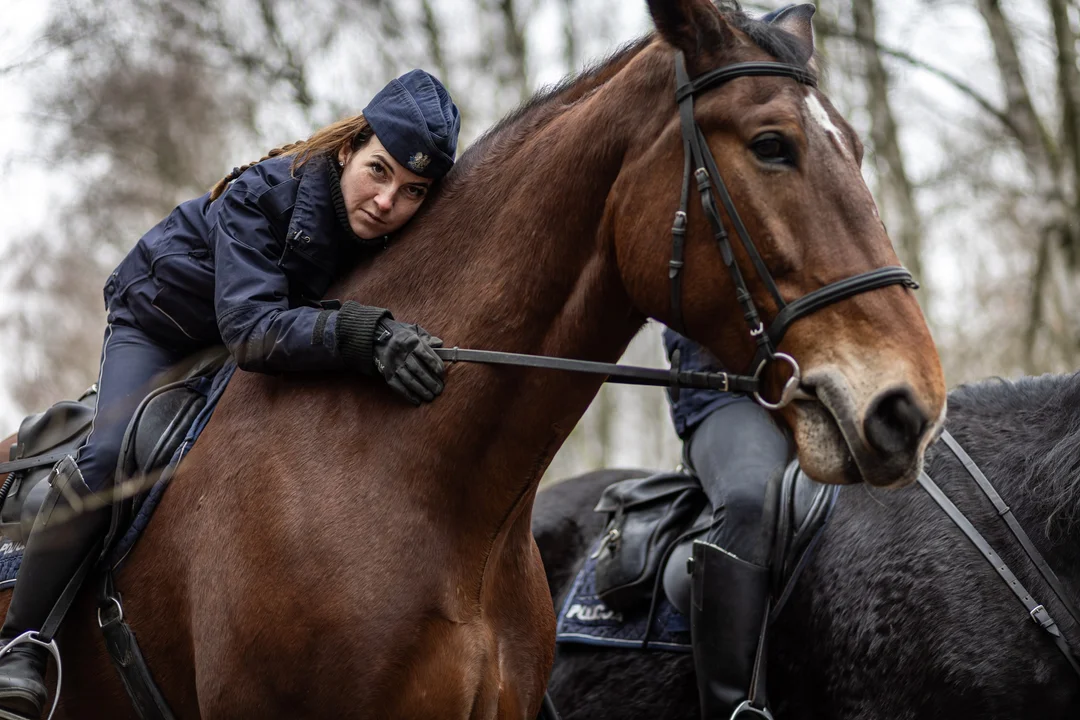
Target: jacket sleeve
{"x":251,"y":297}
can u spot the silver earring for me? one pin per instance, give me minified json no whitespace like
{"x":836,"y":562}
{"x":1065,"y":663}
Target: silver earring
{"x":340,"y":164}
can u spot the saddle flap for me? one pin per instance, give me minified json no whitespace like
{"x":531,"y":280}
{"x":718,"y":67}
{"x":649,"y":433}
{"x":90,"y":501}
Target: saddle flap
{"x":155,"y":433}
{"x":648,"y":515}
{"x":59,"y":429}
{"x":803,"y":512}
{"x":65,"y":421}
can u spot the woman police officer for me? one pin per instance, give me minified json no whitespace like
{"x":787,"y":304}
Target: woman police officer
{"x":245,"y":266}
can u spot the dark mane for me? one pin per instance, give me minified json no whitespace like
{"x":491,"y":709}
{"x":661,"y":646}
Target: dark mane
{"x":548,"y":100}
{"x":781,"y":45}
{"x":1031,"y":429}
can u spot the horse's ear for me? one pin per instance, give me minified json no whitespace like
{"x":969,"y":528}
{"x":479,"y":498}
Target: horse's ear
{"x":796,"y":21}
{"x":690,"y":25}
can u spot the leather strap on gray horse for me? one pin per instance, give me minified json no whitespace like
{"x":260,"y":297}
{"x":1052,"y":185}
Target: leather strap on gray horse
{"x":1018,"y":532}
{"x":1035,"y":609}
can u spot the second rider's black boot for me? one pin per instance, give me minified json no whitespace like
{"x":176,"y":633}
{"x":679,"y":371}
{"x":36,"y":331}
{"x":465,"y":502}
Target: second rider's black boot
{"x":728,"y":608}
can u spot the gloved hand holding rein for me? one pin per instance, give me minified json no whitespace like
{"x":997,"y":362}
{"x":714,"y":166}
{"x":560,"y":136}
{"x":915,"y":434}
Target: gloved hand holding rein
{"x":371,"y":341}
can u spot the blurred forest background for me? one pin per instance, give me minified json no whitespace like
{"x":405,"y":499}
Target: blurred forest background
{"x":970,"y":110}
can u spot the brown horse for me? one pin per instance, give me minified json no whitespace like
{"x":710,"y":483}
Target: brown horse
{"x":327,"y":551}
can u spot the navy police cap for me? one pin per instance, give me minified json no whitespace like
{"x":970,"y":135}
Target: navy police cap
{"x":416,"y":120}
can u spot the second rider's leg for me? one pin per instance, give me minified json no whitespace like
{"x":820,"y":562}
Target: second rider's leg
{"x":735,"y":451}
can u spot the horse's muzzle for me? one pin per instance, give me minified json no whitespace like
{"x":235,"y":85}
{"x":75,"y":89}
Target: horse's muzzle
{"x":846,"y":438}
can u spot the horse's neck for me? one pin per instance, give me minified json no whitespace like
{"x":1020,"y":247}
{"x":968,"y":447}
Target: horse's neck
{"x":514,"y":255}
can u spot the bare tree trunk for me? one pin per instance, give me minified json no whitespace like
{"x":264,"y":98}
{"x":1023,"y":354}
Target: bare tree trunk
{"x":434,"y":37}
{"x":1056,"y":213}
{"x":1037,"y":145}
{"x":902,"y":214}
{"x":571,"y":54}
{"x":514,"y":39}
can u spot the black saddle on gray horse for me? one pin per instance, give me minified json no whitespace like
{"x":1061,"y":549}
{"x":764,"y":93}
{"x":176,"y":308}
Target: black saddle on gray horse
{"x":653,"y":521}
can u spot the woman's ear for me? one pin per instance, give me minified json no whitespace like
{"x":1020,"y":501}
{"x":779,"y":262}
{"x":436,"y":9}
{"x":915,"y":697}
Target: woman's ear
{"x":343,"y":155}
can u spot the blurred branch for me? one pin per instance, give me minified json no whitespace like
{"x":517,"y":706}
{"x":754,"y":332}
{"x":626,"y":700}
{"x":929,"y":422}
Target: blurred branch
{"x":888,"y":156}
{"x":1027,"y":126}
{"x":1068,"y":81}
{"x":514,"y":37}
{"x":292,"y":70}
{"x":434,"y":38}
{"x":835,"y":31}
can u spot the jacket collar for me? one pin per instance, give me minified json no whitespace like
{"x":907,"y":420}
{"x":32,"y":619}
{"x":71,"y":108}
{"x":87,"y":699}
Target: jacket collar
{"x":319,"y":209}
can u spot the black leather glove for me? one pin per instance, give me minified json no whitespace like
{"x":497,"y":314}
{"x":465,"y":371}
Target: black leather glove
{"x":403,"y":354}
{"x":372,"y":341}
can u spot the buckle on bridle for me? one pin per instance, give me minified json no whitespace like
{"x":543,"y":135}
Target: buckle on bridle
{"x":791,"y":387}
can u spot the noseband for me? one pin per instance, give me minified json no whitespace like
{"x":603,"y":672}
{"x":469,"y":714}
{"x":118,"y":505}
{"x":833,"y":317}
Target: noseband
{"x":700,"y":163}
{"x":702,"y":166}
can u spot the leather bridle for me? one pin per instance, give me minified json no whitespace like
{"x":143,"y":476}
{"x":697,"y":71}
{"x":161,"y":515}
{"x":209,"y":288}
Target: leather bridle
{"x":702,"y":166}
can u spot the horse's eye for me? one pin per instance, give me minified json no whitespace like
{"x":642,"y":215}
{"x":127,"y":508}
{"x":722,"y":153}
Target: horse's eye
{"x":773,"y":148}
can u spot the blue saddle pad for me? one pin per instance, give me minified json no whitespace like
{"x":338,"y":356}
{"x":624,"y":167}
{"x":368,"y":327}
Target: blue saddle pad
{"x":586,"y":620}
{"x":10,"y":560}
{"x":11,"y":553}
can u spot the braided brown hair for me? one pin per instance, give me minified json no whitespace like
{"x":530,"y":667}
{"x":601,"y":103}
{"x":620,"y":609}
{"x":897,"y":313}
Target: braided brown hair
{"x":353,"y":132}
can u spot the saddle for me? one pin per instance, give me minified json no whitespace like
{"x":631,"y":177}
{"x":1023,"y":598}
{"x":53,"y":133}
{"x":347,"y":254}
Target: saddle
{"x":653,"y":521}
{"x":153,"y":435}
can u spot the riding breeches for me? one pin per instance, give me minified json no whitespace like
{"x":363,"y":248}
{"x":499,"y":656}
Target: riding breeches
{"x":130,"y":363}
{"x":734,"y":452}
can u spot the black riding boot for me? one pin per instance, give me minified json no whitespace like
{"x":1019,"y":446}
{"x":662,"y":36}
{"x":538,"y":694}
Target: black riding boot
{"x":65,"y":531}
{"x":728,"y":608}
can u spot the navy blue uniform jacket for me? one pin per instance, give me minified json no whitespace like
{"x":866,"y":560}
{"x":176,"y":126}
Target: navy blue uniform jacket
{"x":246,"y":270}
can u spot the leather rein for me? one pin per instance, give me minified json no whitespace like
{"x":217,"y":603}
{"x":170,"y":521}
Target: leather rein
{"x":702,"y":166}
{"x":1036,"y":610}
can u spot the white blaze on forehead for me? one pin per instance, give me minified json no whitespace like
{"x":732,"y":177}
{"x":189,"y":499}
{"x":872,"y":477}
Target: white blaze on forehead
{"x":819,"y":114}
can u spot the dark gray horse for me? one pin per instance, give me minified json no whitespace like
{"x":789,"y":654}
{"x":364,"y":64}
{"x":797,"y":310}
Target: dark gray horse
{"x":897,"y":616}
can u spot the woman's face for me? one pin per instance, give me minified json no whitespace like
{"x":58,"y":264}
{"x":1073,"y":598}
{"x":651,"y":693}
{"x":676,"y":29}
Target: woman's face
{"x":380,"y":194}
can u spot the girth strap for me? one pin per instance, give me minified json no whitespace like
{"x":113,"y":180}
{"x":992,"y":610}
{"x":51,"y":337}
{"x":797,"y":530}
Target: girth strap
{"x":127,"y":657}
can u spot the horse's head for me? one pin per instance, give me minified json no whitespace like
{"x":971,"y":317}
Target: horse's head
{"x":872,"y":394}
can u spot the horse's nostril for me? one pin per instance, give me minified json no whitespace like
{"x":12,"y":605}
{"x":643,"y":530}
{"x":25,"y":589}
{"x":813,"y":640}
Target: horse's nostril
{"x":895,"y":422}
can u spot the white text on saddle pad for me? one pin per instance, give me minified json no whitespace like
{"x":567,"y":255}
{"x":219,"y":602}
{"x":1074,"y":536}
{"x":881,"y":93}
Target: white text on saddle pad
{"x":592,"y":613}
